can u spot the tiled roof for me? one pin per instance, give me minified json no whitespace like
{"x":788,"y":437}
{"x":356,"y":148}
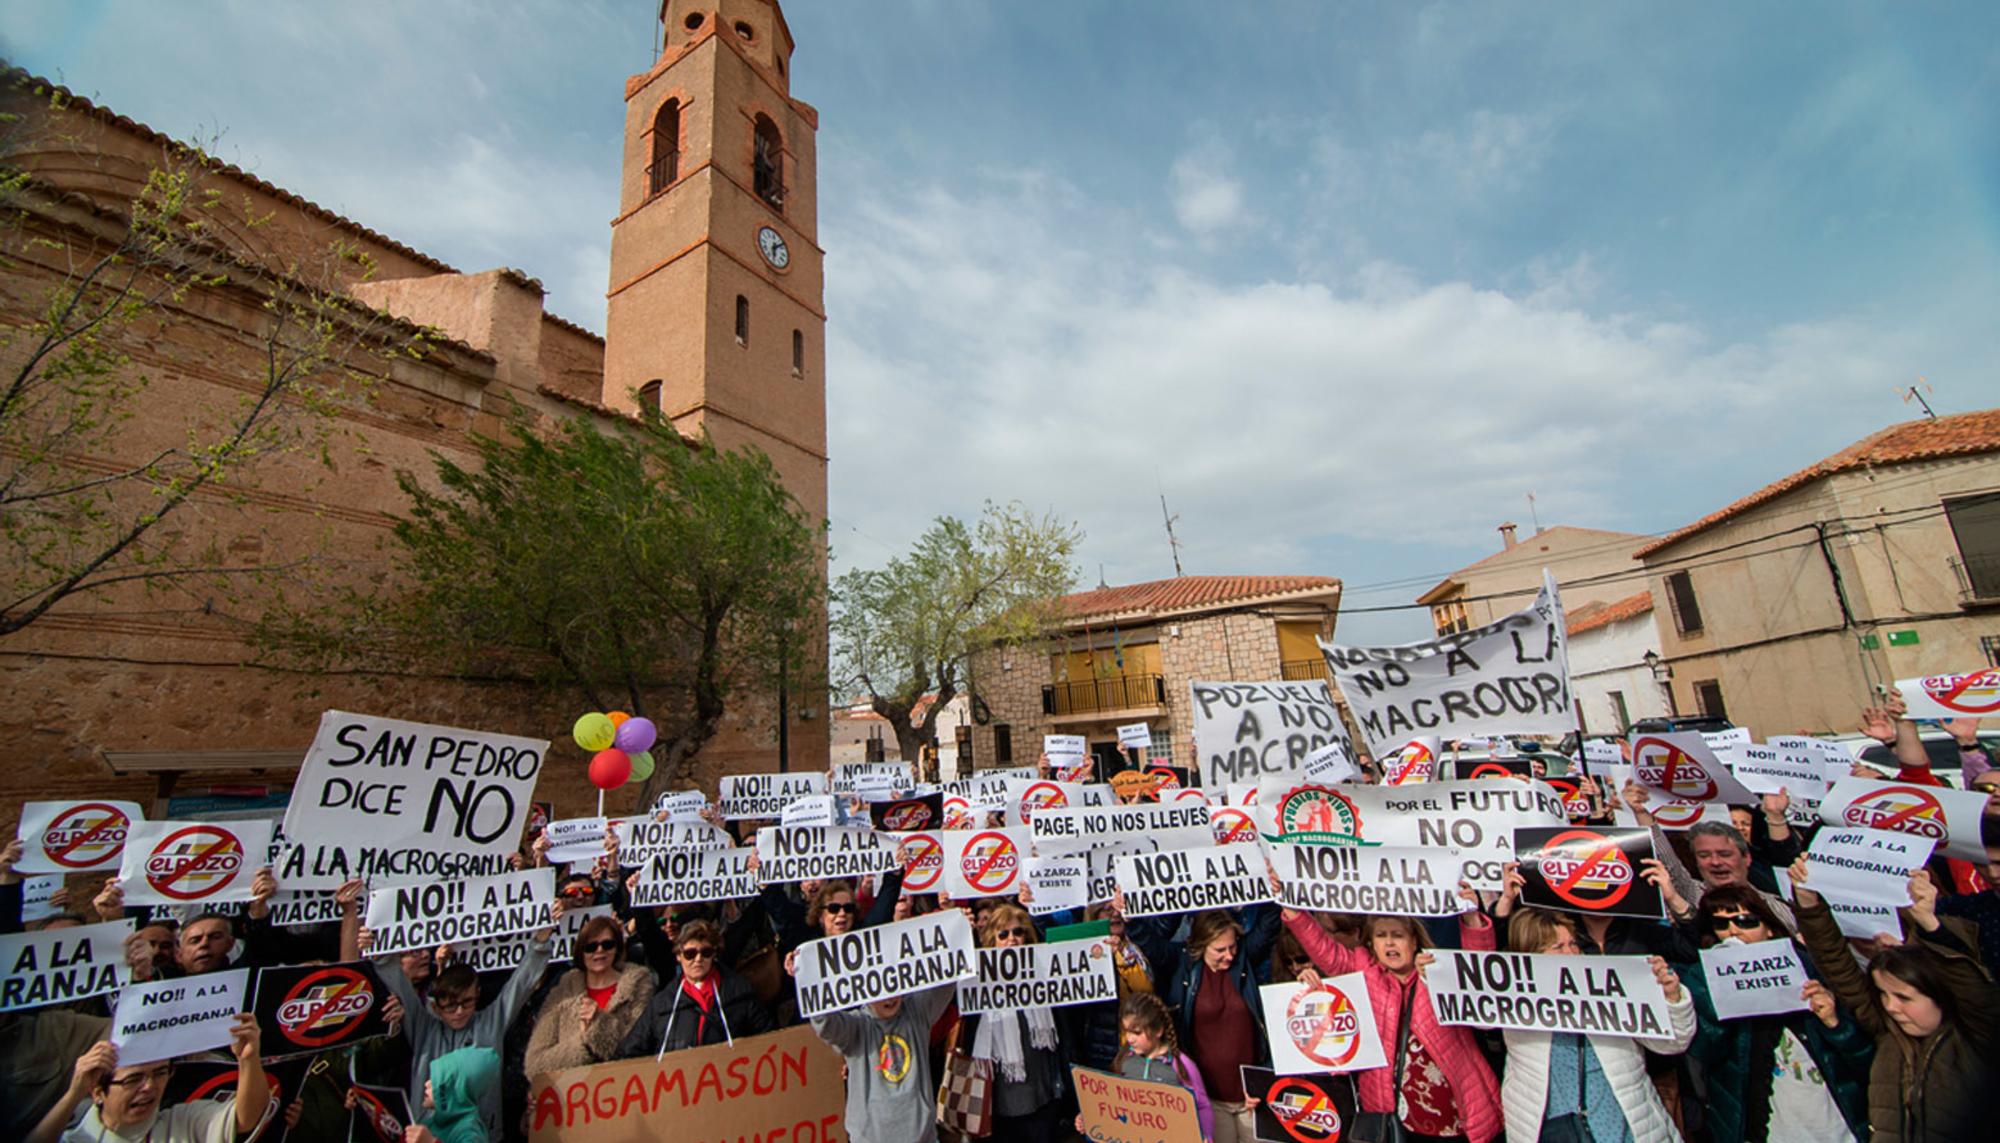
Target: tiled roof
{"x":1591,"y":616}
{"x":1192,"y":593}
{"x":1961,"y":434}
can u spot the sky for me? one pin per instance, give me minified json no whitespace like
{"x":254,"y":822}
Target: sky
{"x":1345,"y":283}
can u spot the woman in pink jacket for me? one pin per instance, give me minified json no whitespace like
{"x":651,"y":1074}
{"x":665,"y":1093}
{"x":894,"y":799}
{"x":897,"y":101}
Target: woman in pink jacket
{"x":1448,"y":1091}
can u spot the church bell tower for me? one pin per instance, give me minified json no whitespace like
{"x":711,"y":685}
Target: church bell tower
{"x":716,"y":311}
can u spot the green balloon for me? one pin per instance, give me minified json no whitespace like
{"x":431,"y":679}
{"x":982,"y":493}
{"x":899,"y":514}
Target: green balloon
{"x":642,"y":767}
{"x":594,"y":732}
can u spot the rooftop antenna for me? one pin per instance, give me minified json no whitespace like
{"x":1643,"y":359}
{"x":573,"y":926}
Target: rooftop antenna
{"x":1911,"y":392}
{"x":1101,"y":585}
{"x":1532,"y":515}
{"x":1173,"y":542}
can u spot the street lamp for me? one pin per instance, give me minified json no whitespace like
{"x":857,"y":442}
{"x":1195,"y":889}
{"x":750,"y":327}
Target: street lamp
{"x":1663,"y":675}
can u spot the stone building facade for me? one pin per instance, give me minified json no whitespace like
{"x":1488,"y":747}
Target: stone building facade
{"x":124,"y":694}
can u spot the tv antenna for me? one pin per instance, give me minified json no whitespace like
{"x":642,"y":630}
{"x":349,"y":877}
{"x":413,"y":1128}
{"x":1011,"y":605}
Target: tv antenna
{"x":1533,"y":515}
{"x":1916,"y":392}
{"x":1173,"y":542}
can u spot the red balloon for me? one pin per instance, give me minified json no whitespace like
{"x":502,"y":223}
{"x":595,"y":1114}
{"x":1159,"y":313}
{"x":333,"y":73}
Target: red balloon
{"x":610,"y":768}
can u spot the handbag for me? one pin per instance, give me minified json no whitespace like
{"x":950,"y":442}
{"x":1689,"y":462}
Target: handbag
{"x":1387,"y":1126}
{"x":965,"y":1095}
{"x":1572,"y":1127}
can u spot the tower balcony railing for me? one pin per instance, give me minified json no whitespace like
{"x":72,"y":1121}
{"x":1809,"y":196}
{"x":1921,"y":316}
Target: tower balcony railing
{"x":1116,"y":692}
{"x":1302,"y":669}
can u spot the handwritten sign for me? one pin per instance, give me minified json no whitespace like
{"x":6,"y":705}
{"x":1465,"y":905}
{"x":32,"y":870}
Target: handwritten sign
{"x":1114,"y":1109}
{"x":1243,"y":731}
{"x":1764,"y":978}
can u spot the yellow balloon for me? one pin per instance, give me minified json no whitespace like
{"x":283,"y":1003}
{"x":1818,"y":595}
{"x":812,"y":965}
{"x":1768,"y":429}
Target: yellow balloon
{"x":594,"y":732}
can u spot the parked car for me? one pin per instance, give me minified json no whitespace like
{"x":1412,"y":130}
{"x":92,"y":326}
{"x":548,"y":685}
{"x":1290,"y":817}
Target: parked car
{"x":1941,"y":747}
{"x":1705,"y":723}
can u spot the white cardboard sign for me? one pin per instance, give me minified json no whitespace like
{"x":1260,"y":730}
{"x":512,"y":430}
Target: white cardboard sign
{"x":1325,"y":1029}
{"x":163,"y":1019}
{"x":1400,"y":881}
{"x":408,"y":917}
{"x":638,"y":841}
{"x":984,"y":862}
{"x":1972,"y":695}
{"x":1156,"y":826}
{"x":1040,"y":976}
{"x":61,"y":965}
{"x":1866,"y":866}
{"x":1189,"y":880}
{"x":755,"y":797}
{"x":1764,"y":978}
{"x":1243,"y":731}
{"x":74,"y":837}
{"x":695,"y":876}
{"x":576,"y":839}
{"x":1946,"y":816}
{"x":1592,"y":995}
{"x":1683,"y":766}
{"x":815,"y":853}
{"x":1135,"y":736}
{"x":852,"y":969}
{"x":184,"y":863}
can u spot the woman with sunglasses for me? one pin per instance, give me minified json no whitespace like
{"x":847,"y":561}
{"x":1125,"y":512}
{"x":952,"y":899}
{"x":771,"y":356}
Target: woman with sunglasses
{"x":1027,"y":1052}
{"x":703,"y":1003}
{"x":1793,"y":1075}
{"x":587,"y":1015}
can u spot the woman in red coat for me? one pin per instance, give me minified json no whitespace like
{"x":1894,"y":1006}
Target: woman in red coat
{"x":1448,"y":1090}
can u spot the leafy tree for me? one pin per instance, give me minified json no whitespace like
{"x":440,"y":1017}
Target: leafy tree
{"x":647,"y":572}
{"x":85,"y":505}
{"x":906,"y":630}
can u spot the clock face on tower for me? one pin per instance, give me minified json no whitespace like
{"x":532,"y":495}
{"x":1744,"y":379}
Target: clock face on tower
{"x":772,"y":246}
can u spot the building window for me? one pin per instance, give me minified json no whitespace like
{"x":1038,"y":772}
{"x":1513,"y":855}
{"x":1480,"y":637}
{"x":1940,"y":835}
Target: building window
{"x":1450,"y":618}
{"x":798,"y":353}
{"x":1003,"y":744}
{"x":1975,"y":524}
{"x":666,"y":146}
{"x":1161,"y":749}
{"x":693,"y":22}
{"x":768,"y":164}
{"x":1620,"y":717}
{"x":744,"y":30}
{"x":649,"y":395}
{"x":1708,"y":698}
{"x":1680,"y":594}
{"x":742,"y":320}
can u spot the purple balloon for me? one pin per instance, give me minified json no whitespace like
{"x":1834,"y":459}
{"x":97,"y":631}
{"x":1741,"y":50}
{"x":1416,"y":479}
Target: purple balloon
{"x":637,"y":735}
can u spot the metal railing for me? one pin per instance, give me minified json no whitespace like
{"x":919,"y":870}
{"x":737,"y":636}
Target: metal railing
{"x":1117,"y":692}
{"x":1303,"y":669}
{"x":1978,"y":578}
{"x":664,"y":171}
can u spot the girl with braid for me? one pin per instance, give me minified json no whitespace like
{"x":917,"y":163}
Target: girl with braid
{"x":1152,"y":1052}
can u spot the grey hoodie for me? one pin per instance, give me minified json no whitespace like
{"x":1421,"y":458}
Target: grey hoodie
{"x":891,"y":1095}
{"x":430,"y":1038}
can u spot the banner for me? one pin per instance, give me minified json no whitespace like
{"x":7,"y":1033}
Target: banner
{"x":1243,"y":731}
{"x":576,"y":839}
{"x":1758,"y":979}
{"x":780,"y":1086}
{"x":639,"y":841}
{"x":815,"y":853}
{"x":984,"y":863}
{"x":1475,"y":818}
{"x":182,"y":863}
{"x":1865,"y":866}
{"x":906,"y":814}
{"x":74,"y":837}
{"x":1185,"y":880}
{"x":1415,"y":762}
{"x":1040,"y":976}
{"x":1509,"y":677}
{"x":1593,"y":995}
{"x":850,"y":778}
{"x":162,"y":1019}
{"x":1395,"y":881}
{"x":1584,"y":869}
{"x":1682,"y":767}
{"x":1149,"y":826}
{"x":896,"y":959}
{"x":695,"y":876}
{"x":1314,"y":1108}
{"x":308,"y":1008}
{"x":761,"y":797}
{"x":1326,"y":1029}
{"x":1946,"y":816}
{"x":59,"y":965}
{"x":505,"y":954}
{"x":386,"y":800}
{"x":1113,"y":1109}
{"x":408,"y":917}
{"x":1974,"y":695}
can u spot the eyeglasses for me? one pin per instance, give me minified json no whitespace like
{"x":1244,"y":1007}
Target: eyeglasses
{"x":1723,"y":922}
{"x":465,"y":1005}
{"x":837,"y":907}
{"x":697,"y":952}
{"x":599,"y":946}
{"x":1008,"y":934}
{"x":579,"y":891}
{"x":158,"y":1075}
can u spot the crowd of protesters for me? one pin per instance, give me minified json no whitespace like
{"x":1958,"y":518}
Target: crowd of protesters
{"x":1899,"y":1039}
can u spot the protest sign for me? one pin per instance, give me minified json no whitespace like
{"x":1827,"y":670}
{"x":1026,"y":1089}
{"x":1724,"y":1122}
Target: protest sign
{"x":1601,"y":752}
{"x":682,"y":806}
{"x":1973,"y":695}
{"x":1866,"y":866}
{"x":74,"y":837}
{"x":59,"y":965}
{"x":923,"y":861}
{"x":1672,"y":816}
{"x":311,"y":907}
{"x":380,"y":1113}
{"x":1135,"y":736}
{"x":1760,"y":979}
{"x":1946,"y":816}
{"x":1186,"y":880}
{"x":1326,"y":1029}
{"x":877,"y":963}
{"x":383,"y":799}
{"x":638,"y":841}
{"x":1243,"y":731}
{"x":1682,"y":767}
{"x":1416,"y":761}
{"x":1508,"y":677}
{"x":1576,"y":802}
{"x":1065,"y":750}
{"x":1330,"y":765}
{"x":983,"y":792}
{"x":1399,"y":881}
{"x":753,"y":797}
{"x":1473,"y":769}
{"x":1026,"y":796}
{"x":1136,"y":784}
{"x":959,"y":812}
{"x":780,"y":1086}
{"x":1779,"y":769}
{"x":1584,"y":869}
{"x":1476,"y":818}
{"x":906,"y":814}
{"x":306,"y":1008}
{"x":815,"y":853}
{"x":1314,"y":1108}
{"x":504,"y":954}
{"x":1056,"y":883}
{"x":38,"y":894}
{"x":576,"y":839}
{"x":1594,"y":995}
{"x":214,"y":1081}
{"x":823,"y":810}
{"x":1142,"y":826}
{"x":984,"y":863}
{"x":180,"y":863}
{"x":406,"y":917}
{"x":1233,"y":825}
{"x":1051,"y":975}
{"x":1113,"y":1109}
{"x":692,"y":876}
{"x":1863,"y":922}
{"x":161,"y":1019}
{"x":853,"y":777}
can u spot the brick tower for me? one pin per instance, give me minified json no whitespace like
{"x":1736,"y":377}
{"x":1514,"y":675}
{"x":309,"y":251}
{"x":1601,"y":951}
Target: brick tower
{"x":715,"y":305}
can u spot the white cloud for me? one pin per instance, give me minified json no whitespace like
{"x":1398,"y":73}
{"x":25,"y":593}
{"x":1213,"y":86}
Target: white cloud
{"x":1206,"y":199}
